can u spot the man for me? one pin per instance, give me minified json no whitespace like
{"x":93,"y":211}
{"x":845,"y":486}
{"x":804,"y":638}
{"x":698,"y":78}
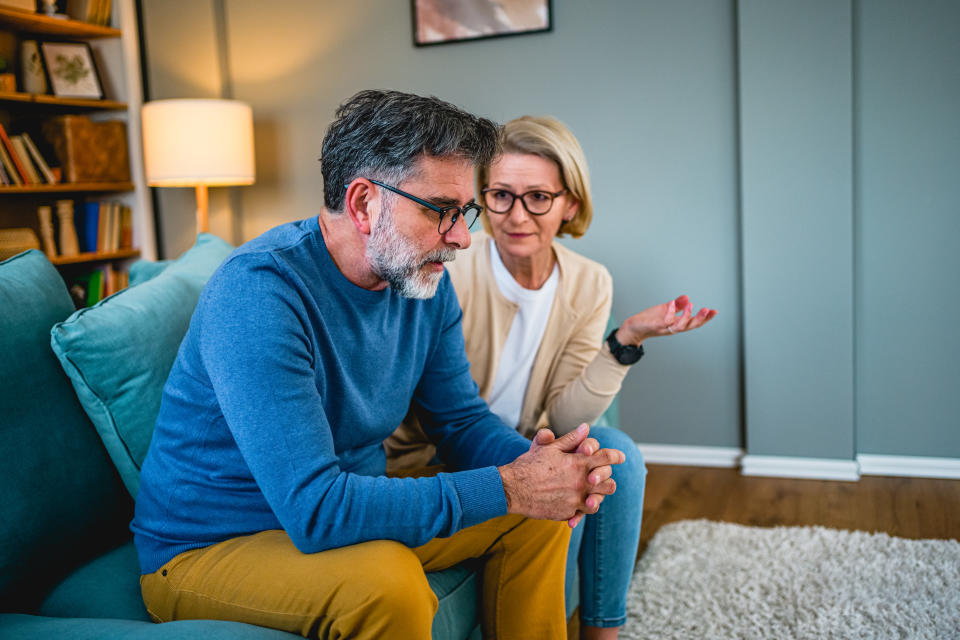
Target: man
{"x":263,"y":497}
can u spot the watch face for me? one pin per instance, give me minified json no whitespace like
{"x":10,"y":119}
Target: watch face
{"x":624,"y":354}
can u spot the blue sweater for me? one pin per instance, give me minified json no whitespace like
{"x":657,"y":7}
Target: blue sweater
{"x":285,"y":386}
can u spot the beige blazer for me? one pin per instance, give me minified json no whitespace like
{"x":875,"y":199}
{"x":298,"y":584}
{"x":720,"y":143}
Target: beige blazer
{"x":573,"y":379}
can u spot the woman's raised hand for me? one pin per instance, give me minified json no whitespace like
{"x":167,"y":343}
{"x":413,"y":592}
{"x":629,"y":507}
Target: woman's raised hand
{"x":663,"y":320}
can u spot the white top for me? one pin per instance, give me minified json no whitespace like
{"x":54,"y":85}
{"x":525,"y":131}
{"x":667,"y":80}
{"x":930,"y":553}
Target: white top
{"x":523,"y":340}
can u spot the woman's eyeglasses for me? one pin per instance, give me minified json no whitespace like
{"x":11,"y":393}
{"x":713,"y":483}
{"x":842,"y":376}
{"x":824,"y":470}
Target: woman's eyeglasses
{"x":537,"y":202}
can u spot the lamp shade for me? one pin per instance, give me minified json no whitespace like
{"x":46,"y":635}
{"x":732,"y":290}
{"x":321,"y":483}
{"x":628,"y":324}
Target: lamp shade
{"x":198,"y":142}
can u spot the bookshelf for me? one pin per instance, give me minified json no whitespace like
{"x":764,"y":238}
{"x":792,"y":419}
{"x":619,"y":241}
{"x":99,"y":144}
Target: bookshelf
{"x":105,"y":256}
{"x":69,"y":187}
{"x":115,"y":50}
{"x":74,"y":104}
{"x":37,"y":24}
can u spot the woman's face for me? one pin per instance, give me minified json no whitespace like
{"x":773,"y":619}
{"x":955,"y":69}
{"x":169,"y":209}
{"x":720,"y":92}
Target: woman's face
{"x":518,"y":233}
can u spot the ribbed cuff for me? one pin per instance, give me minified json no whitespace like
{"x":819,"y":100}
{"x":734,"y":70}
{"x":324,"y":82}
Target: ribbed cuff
{"x":481,"y":495}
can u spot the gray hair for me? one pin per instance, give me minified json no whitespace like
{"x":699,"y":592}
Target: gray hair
{"x":381,"y":134}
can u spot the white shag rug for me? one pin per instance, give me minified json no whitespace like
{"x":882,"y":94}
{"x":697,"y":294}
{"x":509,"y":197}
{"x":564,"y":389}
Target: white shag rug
{"x":702,"y":579}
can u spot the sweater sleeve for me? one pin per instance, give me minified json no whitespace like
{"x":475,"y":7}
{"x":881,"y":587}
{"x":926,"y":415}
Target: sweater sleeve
{"x":587,"y":377}
{"x":449,"y":407}
{"x":261,"y":366}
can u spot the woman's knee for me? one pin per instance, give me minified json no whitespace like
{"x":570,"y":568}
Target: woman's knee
{"x":612,"y":438}
{"x":632,"y":470}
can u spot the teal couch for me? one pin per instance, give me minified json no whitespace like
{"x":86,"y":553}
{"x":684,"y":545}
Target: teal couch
{"x":76,"y":389}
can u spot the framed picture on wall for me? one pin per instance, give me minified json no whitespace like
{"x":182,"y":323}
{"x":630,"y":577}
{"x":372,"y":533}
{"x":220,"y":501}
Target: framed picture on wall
{"x":443,"y":21}
{"x":71,"y":70}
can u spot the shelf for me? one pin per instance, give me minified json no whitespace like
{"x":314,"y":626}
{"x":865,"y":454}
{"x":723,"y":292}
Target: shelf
{"x":68,"y":187}
{"x":40,"y":24}
{"x":54,"y":101}
{"x":122,"y":254}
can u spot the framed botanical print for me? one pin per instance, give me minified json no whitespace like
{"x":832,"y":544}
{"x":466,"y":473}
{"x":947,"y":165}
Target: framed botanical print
{"x":71,"y":70}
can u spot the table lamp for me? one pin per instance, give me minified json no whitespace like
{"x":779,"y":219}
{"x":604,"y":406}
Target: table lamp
{"x":198,"y":143}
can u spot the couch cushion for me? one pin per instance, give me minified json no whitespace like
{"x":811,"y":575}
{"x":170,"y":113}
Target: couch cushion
{"x":457,"y":588}
{"x":105,"y":587}
{"x":23,"y":627}
{"x":143,"y":270}
{"x":119,"y":352}
{"x":60,"y":499}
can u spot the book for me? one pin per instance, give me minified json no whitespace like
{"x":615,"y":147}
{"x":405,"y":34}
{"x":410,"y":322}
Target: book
{"x":22,"y":5}
{"x":106,"y":10}
{"x":89,"y":227}
{"x":5,"y":140}
{"x":4,"y":178}
{"x":115,"y":226}
{"x":8,"y":165}
{"x":45,"y":215}
{"x":82,"y":10}
{"x":24,"y":156}
{"x":102,"y":224}
{"x":126,"y":227}
{"x":38,"y":159}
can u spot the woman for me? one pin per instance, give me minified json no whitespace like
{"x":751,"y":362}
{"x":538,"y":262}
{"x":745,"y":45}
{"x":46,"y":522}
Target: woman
{"x":534,"y":319}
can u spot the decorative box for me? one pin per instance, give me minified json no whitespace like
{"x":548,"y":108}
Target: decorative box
{"x":89,"y":151}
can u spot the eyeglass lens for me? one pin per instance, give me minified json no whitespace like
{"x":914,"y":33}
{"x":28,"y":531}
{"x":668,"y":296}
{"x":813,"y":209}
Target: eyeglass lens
{"x":470,"y":212}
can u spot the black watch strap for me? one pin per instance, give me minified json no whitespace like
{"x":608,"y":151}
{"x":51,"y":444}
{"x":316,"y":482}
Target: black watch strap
{"x":624,"y":354}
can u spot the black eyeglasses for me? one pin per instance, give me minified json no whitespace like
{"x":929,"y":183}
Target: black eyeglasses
{"x":536,"y":202}
{"x":470,"y":211}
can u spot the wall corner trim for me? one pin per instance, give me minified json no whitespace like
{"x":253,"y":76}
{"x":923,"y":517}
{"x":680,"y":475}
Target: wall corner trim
{"x":794,"y":467}
{"x":690,"y":455}
{"x":911,"y":466}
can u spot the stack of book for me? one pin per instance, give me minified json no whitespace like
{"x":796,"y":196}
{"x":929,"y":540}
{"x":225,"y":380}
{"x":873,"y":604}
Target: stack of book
{"x":91,"y":287}
{"x":21,"y":162}
{"x":104,"y":227}
{"x":93,"y":11}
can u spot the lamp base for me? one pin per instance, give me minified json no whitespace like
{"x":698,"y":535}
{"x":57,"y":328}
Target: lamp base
{"x":203,"y":225}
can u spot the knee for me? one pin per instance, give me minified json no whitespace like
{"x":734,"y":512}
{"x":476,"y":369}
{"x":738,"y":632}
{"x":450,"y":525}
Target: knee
{"x":401,"y":579}
{"x":632,"y":471}
{"x":396,"y":593}
{"x":543,"y":533}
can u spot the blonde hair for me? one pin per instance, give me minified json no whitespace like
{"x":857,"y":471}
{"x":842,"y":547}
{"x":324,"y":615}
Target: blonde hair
{"x":547,"y":137}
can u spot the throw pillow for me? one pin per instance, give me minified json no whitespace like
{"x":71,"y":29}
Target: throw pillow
{"x":118,"y":353}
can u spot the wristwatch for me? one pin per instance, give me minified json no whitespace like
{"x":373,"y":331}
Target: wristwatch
{"x":624,"y":354}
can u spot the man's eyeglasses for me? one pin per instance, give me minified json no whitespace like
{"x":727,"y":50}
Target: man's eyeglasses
{"x":536,"y":202}
{"x":470,"y":211}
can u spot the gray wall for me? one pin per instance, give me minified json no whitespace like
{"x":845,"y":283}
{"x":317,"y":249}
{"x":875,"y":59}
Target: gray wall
{"x":908,"y":227}
{"x":797,"y":225}
{"x":835,"y":119}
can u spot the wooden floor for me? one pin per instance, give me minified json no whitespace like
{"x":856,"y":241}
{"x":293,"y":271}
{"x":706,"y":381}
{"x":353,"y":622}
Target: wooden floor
{"x":903,"y":507}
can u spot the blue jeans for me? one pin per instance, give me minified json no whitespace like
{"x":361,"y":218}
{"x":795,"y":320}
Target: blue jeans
{"x":604,"y":545}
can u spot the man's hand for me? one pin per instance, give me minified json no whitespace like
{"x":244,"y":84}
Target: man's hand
{"x":560,"y":478}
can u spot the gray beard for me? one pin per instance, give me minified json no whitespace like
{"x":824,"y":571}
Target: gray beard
{"x":397,"y":261}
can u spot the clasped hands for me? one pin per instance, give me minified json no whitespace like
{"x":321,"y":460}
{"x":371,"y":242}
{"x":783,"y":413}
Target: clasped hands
{"x":560,"y":478}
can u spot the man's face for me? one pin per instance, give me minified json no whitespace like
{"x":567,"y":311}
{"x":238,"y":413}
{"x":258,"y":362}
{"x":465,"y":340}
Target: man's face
{"x":406,"y":248}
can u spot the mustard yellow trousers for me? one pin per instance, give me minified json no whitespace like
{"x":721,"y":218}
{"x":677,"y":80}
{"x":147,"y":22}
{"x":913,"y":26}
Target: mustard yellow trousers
{"x":370,"y":590}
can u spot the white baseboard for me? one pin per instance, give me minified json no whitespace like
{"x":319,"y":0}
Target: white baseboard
{"x":796,"y":467}
{"x":912,"y":466}
{"x":791,"y":467}
{"x":689,"y":455}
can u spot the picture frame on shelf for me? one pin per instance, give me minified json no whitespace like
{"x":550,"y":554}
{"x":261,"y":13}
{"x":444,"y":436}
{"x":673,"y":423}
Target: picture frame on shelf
{"x":71,"y":70}
{"x":442,"y":21}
